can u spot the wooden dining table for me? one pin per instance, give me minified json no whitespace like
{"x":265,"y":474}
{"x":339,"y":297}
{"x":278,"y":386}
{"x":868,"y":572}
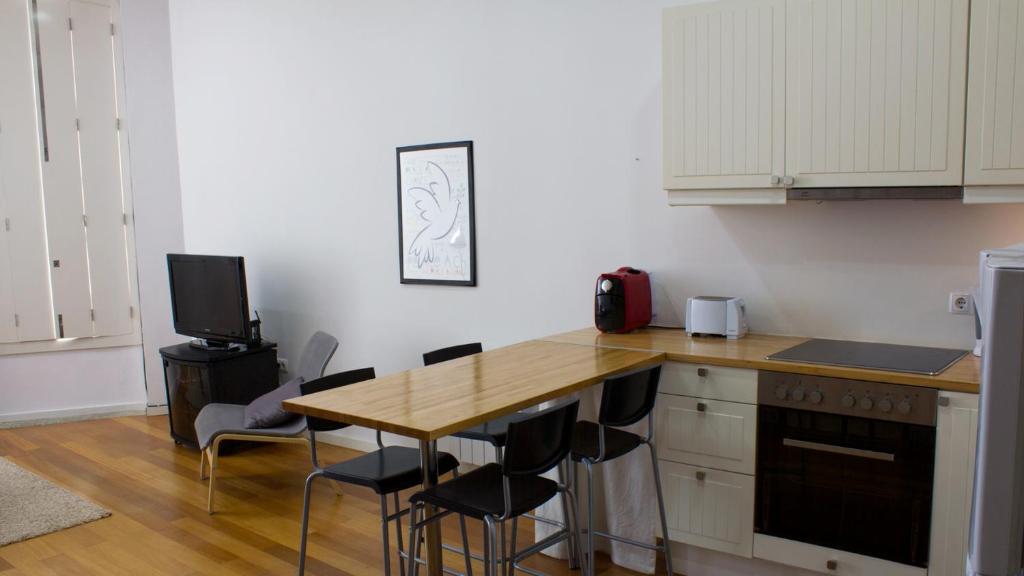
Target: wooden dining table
{"x":435,"y":401}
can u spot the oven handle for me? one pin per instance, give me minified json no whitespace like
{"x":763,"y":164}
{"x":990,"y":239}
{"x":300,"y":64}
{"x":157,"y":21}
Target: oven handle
{"x":884,"y":456}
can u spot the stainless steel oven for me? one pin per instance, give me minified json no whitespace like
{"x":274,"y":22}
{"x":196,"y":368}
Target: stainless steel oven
{"x":846,"y":464}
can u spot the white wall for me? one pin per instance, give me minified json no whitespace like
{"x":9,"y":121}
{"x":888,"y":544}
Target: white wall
{"x":153,"y":154}
{"x":288,"y":121}
{"x":71,"y":383}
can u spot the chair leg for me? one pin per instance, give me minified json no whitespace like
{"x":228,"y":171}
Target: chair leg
{"x":491,"y":552}
{"x":213,"y":456}
{"x":414,"y":535}
{"x":667,"y":548}
{"x":573,"y":544}
{"x":465,"y":545}
{"x":503,"y":557}
{"x":574,"y":518}
{"x":384,"y":534}
{"x":202,"y":464}
{"x":305,"y":521}
{"x":512,"y":548}
{"x":398,"y":533}
{"x":590,"y":517}
{"x":465,"y":534}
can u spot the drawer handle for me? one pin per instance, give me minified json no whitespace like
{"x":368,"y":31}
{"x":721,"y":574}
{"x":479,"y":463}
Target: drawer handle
{"x":702,"y":372}
{"x":701,"y":475}
{"x":702,"y":407}
{"x":831,"y":565}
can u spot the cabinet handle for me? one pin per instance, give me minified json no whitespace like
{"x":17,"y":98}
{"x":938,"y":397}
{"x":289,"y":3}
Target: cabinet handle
{"x":701,"y":475}
{"x":702,"y":407}
{"x":831,"y":564}
{"x":702,"y":372}
{"x":788,"y":181}
{"x":943,"y":400}
{"x":775,"y":180}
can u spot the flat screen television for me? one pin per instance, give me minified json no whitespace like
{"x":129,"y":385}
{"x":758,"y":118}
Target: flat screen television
{"x":209,"y":299}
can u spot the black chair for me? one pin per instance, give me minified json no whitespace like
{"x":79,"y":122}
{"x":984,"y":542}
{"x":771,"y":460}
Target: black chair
{"x":387,"y":470}
{"x":625,"y":400}
{"x":494,"y":432}
{"x":495,"y":493}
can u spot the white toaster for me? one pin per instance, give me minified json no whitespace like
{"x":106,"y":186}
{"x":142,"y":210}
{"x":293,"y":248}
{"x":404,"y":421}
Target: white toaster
{"x":716,"y":316}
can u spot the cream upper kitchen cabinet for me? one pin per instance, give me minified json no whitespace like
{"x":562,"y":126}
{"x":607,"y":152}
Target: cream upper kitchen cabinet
{"x":994,"y":159}
{"x":724,"y":102}
{"x":875,"y":92}
{"x":761,"y":96}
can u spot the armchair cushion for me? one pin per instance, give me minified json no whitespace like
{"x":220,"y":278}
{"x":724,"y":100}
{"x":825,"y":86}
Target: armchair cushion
{"x":266,"y":411}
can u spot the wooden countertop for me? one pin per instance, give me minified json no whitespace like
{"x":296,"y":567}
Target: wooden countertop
{"x":434,"y":401}
{"x":751,"y":351}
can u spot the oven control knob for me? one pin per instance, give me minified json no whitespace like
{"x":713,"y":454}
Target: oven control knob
{"x":904,"y":406}
{"x":798,"y":394}
{"x":866,"y":403}
{"x":815,"y":397}
{"x":885,"y":405}
{"x":781,"y":392}
{"x":848,"y":401}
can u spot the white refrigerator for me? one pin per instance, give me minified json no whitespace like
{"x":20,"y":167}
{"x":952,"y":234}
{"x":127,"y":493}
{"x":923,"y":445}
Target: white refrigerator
{"x":997,"y":521}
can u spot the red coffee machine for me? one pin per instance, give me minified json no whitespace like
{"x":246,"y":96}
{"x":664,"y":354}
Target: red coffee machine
{"x":622,"y":300}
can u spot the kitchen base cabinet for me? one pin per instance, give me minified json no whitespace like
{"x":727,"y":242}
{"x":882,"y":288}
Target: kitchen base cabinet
{"x":709,"y":508}
{"x":957,"y":435}
{"x":827,"y":560}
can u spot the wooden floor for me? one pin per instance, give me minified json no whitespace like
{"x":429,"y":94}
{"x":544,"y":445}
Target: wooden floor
{"x":160,"y":525}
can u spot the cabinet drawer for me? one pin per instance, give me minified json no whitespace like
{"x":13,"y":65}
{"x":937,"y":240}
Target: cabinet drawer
{"x":709,"y":508}
{"x":818,"y":559}
{"x":711,"y":382}
{"x":709,"y":433}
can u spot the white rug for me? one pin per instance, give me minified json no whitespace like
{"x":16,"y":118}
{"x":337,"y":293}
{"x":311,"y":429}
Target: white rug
{"x":31,"y":506}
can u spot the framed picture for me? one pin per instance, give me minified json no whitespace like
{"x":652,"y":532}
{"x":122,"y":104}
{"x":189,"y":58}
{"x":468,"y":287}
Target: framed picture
{"x":436,"y":228}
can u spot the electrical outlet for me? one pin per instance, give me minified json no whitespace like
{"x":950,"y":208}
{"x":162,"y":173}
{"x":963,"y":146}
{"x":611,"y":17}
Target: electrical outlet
{"x":282,"y":364}
{"x":960,"y":302}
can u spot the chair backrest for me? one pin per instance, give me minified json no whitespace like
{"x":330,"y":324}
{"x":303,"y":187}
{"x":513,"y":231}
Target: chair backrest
{"x":315,"y":356}
{"x":629,"y":398}
{"x":537,"y":444}
{"x":327,"y":383}
{"x":451,"y":353}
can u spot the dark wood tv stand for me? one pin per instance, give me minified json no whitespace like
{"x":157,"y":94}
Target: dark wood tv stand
{"x":195,"y":377}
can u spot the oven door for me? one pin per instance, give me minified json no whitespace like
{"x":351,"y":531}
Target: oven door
{"x":854,"y":484}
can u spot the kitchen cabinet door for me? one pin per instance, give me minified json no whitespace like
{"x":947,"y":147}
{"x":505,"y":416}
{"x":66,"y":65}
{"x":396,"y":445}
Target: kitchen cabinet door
{"x":875,"y":92}
{"x":995,"y":102}
{"x":709,"y":508}
{"x":957,"y":436}
{"x":724,"y":101}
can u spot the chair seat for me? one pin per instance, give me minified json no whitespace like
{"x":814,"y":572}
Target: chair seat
{"x":617,"y":442}
{"x":493,"y":432}
{"x":480,"y":493}
{"x":388,"y":470}
{"x":216,"y":419}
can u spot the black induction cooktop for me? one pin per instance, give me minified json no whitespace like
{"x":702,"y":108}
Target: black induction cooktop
{"x":872,"y":355}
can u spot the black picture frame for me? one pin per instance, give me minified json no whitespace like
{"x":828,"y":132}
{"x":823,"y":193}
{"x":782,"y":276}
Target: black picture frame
{"x":403,"y":251}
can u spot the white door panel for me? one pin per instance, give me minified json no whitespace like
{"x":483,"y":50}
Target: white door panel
{"x":101,"y":169}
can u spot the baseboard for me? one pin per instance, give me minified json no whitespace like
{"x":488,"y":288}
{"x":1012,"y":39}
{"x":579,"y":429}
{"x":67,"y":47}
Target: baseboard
{"x":336,"y":439}
{"x":42,"y":417}
{"x":156,"y":410}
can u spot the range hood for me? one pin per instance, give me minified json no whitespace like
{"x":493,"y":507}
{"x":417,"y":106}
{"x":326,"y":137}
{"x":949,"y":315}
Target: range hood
{"x":880,"y":193}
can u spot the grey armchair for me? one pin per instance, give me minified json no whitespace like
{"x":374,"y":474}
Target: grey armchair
{"x":219,"y":422}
